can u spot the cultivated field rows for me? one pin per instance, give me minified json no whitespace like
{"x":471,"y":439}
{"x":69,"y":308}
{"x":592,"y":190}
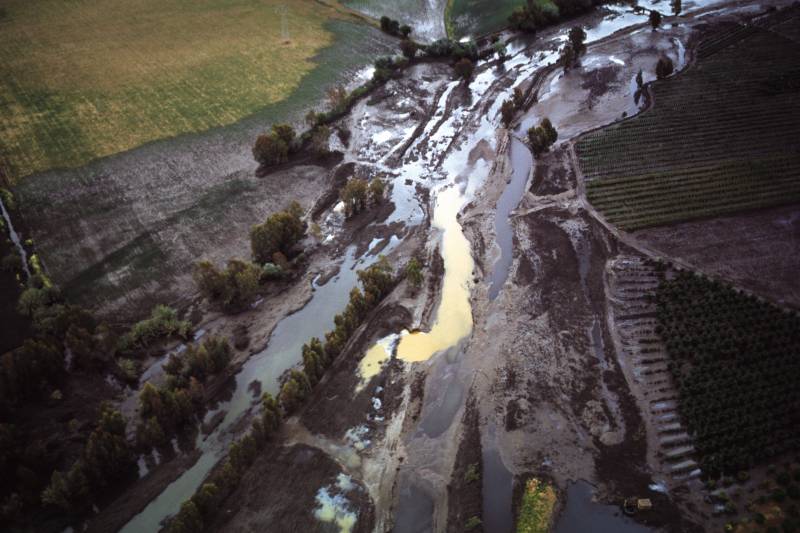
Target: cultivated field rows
{"x":707,"y":146}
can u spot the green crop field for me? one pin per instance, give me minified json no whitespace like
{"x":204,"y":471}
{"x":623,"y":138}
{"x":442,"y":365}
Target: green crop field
{"x":721,"y":137}
{"x":476,"y":17}
{"x":88,"y":78}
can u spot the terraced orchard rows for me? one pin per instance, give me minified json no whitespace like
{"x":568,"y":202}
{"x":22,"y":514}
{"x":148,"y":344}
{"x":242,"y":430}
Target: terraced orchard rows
{"x":721,"y":137}
{"x":736,"y":363}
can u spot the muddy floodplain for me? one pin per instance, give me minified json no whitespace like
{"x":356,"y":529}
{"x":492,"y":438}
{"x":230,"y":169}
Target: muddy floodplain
{"x":509,"y":361}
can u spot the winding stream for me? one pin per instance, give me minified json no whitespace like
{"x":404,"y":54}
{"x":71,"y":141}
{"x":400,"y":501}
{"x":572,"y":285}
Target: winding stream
{"x":454,"y":316}
{"x":15,"y":239}
{"x":266,"y":367}
{"x":521,"y":162}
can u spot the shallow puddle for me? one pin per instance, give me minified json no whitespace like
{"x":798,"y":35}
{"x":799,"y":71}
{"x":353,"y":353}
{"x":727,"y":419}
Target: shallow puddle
{"x":581,"y":513}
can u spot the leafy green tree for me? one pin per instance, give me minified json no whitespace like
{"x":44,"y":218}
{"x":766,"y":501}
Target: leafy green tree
{"x":270,"y":150}
{"x":219,"y":352}
{"x":188,"y":520}
{"x":270,"y":413}
{"x":279,"y":233}
{"x":174,"y":365}
{"x":150,"y":434}
{"x":568,"y":57}
{"x":577,"y":38}
{"x":33,"y":299}
{"x":206,"y":499}
{"x":313,"y":366}
{"x":30,"y":371}
{"x":501,"y":50}
{"x":234,"y":288}
{"x":294,"y":391}
{"x":542,"y":137}
{"x":655,"y":19}
{"x":320,"y":140}
{"x":534,"y":15}
{"x":405,"y":31}
{"x":390,"y":26}
{"x":285,"y":133}
{"x":376,"y":190}
{"x":274,"y":147}
{"x":354,"y":196}
{"x":507,"y":110}
{"x":414,"y":273}
{"x":108,"y":455}
{"x":664,"y":67}
{"x":408,"y":48}
{"x":67,"y":491}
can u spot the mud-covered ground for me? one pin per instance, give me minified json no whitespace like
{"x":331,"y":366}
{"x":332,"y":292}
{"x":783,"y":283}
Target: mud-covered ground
{"x":757,"y":250}
{"x":281,"y":488}
{"x":548,"y":388}
{"x":123,"y":232}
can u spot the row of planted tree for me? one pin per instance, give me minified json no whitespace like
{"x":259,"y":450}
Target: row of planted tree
{"x":736,"y":362}
{"x":317,"y":357}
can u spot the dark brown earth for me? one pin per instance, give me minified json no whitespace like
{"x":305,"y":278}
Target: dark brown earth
{"x":552,"y":173}
{"x":275,"y":492}
{"x":333,"y":408}
{"x":756,"y":250}
{"x":566,"y":283}
{"x":464,"y":493}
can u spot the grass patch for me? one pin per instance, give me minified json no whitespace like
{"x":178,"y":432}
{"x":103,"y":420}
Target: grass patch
{"x":536,"y":509}
{"x":85,"y":79}
{"x":476,"y":17}
{"x":724,"y":136}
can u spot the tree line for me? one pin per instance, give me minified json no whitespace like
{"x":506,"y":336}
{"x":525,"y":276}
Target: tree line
{"x":177,"y":404}
{"x":377,"y":281}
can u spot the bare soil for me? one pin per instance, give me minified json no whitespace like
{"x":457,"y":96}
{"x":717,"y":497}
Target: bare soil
{"x":279,"y":490}
{"x":464,"y":492}
{"x":756,"y":250}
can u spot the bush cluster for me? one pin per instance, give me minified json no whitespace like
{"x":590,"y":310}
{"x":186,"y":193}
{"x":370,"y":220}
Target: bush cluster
{"x":273,"y":148}
{"x":107,"y":458}
{"x":376,"y":281}
{"x":199,"y":511}
{"x":542,"y":137}
{"x":278,"y":234}
{"x":163,"y":322}
{"x":393,"y":27}
{"x":164,"y":410}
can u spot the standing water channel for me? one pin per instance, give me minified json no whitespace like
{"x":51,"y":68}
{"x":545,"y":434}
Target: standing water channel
{"x":521,"y":164}
{"x":282,"y":352}
{"x":15,"y":238}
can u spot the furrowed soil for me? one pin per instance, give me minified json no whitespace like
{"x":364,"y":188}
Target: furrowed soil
{"x":707,"y":146}
{"x":756,"y":250}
